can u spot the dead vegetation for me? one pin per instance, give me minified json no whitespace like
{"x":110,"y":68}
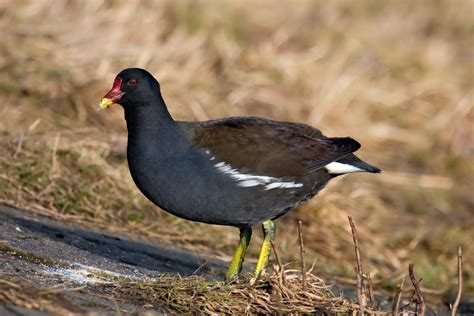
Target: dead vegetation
{"x":189,"y":295}
{"x":283,"y":290}
{"x":268,"y":295}
{"x":396,"y":75}
{"x":27,"y":295}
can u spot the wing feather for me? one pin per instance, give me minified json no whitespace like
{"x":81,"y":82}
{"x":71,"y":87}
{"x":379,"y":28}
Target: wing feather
{"x":265,"y":147}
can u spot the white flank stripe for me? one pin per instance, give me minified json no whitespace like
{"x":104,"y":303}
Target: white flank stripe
{"x":252,"y":180}
{"x":283,"y":185}
{"x":249,"y":183}
{"x":341,"y":168}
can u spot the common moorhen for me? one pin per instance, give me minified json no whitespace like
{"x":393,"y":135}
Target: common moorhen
{"x":236,"y":171}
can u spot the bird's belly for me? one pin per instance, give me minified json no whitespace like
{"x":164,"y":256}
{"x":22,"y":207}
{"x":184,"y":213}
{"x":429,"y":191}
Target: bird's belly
{"x":198,"y":194}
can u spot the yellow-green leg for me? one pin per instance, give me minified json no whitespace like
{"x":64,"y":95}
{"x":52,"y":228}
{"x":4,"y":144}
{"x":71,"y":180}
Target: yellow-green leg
{"x":238,"y":260}
{"x":269,"y":229}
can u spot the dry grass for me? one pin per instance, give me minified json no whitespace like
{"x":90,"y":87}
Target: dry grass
{"x":281,"y":291}
{"x":396,"y":75}
{"x":197,"y":295}
{"x":189,"y":295}
{"x":28,"y":295}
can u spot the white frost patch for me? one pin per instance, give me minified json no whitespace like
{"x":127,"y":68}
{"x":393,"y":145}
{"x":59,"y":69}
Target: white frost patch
{"x":82,"y":274}
{"x":341,"y":168}
{"x":251,"y":180}
{"x":77,"y":275}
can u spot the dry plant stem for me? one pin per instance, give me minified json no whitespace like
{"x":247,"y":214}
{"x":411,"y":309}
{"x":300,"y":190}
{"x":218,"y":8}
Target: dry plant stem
{"x":396,"y":298}
{"x":280,"y":265}
{"x":9,"y":283}
{"x":371,"y":291}
{"x":199,"y":268}
{"x":361,"y":295}
{"x":416,"y":285}
{"x":302,"y":252}
{"x":18,"y":145}
{"x":360,"y":286}
{"x":54,"y":161}
{"x":278,"y":301}
{"x":458,"y":296}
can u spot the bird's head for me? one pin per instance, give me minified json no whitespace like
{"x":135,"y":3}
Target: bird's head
{"x":131,"y":87}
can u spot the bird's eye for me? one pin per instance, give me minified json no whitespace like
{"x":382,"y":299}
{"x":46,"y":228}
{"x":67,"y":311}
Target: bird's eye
{"x":132,"y":82}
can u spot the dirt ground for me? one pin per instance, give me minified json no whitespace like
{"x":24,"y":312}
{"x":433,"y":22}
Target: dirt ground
{"x":78,"y":263}
{"x":77,"y":266}
{"x":72,"y":268}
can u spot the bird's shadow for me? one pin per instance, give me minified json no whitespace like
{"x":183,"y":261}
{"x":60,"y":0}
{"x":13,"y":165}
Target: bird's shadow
{"x":90,"y":244}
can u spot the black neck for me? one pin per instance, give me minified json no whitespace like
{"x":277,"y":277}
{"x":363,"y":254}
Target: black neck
{"x":152,"y":125}
{"x":149,"y":111}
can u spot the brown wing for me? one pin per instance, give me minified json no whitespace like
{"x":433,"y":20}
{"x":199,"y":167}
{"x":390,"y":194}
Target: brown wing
{"x":265,"y":147}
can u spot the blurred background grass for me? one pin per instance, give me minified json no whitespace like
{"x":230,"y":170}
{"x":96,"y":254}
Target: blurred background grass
{"x":395,"y":75}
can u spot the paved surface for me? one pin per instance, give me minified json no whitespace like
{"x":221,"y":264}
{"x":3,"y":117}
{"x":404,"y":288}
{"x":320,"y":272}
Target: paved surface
{"x":105,"y":251}
{"x":85,"y":251}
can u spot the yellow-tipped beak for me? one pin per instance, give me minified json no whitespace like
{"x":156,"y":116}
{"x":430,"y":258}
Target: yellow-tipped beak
{"x":105,"y":103}
{"x":113,"y":96}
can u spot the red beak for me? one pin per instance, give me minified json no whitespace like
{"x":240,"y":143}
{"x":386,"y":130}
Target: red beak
{"x":113,"y":96}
